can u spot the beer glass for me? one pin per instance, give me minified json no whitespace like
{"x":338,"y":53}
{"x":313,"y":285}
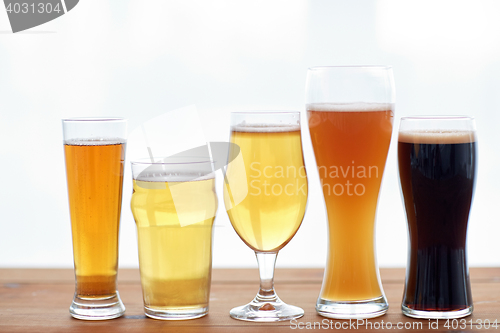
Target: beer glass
{"x":350,"y":112}
{"x":174,"y":205}
{"x":437,"y":171}
{"x":265,"y":194}
{"x":94,"y":149}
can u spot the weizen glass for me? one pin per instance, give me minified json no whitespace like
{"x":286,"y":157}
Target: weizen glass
{"x":94,"y":149}
{"x":265,"y":194}
{"x":174,"y":205}
{"x":350,"y":112}
{"x":437,"y":170}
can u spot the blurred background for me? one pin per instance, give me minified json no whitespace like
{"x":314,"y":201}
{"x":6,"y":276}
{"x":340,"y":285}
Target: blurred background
{"x":141,"y":59}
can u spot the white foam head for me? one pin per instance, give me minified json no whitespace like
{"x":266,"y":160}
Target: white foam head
{"x":264,"y":128}
{"x":173,"y":176}
{"x":437,"y":136}
{"x":350,"y":107}
{"x":159,"y":172}
{"x":94,"y":142}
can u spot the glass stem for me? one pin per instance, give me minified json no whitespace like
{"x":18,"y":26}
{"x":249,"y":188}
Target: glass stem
{"x":266,"y":262}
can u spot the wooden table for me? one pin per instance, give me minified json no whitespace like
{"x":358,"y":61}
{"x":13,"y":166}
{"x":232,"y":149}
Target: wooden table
{"x":37,"y":300}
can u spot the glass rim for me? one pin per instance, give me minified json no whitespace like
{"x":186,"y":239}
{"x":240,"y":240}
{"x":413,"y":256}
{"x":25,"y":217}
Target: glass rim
{"x":350,"y":66}
{"x":79,"y":119}
{"x":438,"y":117}
{"x":182,"y":160}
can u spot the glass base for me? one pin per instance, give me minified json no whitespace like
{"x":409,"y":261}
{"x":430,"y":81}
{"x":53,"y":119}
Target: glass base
{"x":266,"y":311}
{"x":97,"y":308}
{"x":436,"y":314}
{"x":366,"y":309}
{"x":172,"y":314}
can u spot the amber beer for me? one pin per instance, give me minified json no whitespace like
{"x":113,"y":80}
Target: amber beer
{"x":272,"y":211}
{"x":95,"y":175}
{"x":350,"y":143}
{"x":174,"y":218}
{"x":94,"y":150}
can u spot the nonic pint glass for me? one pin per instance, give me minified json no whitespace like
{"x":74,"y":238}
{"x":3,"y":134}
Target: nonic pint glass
{"x":437,"y":170}
{"x":94,"y":150}
{"x":174,"y":205}
{"x":350,"y":112}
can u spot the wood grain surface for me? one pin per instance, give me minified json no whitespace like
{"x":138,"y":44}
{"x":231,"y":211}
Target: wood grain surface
{"x":37,"y":300}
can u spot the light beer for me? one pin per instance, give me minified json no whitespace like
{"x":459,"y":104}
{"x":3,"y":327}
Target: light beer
{"x":350,"y":143}
{"x":174,"y":221}
{"x":272,"y":211}
{"x":265,"y":194}
{"x":94,"y":170}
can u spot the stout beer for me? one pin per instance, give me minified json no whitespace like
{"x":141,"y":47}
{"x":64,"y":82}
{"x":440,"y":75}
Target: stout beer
{"x":437,"y":171}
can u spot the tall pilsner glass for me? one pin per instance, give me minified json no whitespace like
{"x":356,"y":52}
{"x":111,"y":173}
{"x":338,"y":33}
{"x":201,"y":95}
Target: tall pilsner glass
{"x":95,"y":152}
{"x":437,"y":171}
{"x":350,"y":112}
{"x":265,"y":193}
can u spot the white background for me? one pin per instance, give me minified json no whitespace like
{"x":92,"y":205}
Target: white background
{"x":142,"y":58}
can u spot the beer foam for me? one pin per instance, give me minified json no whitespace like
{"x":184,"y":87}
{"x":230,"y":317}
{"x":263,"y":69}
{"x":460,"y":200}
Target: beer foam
{"x":179,"y":177}
{"x":437,"y":136}
{"x":264,"y":128}
{"x":94,"y":142}
{"x":350,"y":107}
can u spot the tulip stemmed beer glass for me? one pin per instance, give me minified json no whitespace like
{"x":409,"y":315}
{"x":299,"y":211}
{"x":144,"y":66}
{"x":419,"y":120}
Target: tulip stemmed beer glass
{"x":350,"y":112}
{"x":265,"y":193}
{"x":95,"y":152}
{"x":437,"y":170}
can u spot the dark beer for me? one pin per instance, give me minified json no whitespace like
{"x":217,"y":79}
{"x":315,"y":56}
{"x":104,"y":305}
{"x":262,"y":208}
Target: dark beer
{"x":437,"y":171}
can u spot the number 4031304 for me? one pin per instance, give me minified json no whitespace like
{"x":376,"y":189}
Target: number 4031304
{"x":472,"y":324}
{"x":40,"y":8}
